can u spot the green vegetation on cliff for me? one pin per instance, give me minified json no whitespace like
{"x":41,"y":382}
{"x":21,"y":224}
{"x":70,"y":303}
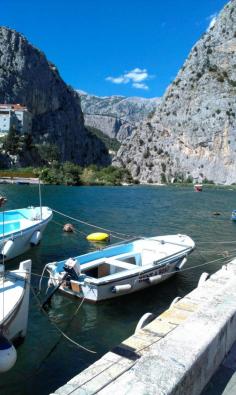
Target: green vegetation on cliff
{"x":71,"y":174}
{"x":48,"y":167}
{"x":110,"y":143}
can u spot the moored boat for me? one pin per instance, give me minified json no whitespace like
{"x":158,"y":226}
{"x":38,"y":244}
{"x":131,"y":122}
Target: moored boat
{"x":22,"y":228}
{"x":14,"y":306}
{"x":233,"y":215}
{"x":121,"y":269}
{"x":198,"y":187}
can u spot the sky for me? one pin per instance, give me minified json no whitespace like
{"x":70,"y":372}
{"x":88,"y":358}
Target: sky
{"x":106,"y":47}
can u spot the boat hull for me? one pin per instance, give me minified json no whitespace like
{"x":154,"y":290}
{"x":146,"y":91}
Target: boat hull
{"x":109,"y":290}
{"x":21,"y":240}
{"x":121,"y":269}
{"x":15,"y":323}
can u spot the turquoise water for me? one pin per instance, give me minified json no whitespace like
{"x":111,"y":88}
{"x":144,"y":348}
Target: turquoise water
{"x":45,"y":361}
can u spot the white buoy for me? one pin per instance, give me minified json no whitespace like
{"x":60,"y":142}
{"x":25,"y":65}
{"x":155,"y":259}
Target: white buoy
{"x":8,"y":354}
{"x":36,"y":237}
{"x":7,"y":248}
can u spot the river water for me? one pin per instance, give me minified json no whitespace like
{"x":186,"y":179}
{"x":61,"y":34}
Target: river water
{"x":47,"y":361}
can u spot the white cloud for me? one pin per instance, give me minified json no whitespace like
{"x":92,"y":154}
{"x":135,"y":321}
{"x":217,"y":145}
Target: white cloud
{"x":136,"y":77}
{"x":212,"y":20}
{"x":118,"y":80}
{"x":140,"y":85}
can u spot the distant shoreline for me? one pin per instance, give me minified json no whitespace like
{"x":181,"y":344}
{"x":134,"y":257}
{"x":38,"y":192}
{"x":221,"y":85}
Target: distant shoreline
{"x":19,"y":180}
{"x":35,"y":180}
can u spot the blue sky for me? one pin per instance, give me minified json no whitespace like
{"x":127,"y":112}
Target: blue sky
{"x":106,"y":47}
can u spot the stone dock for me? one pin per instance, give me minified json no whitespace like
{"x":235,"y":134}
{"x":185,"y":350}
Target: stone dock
{"x":178,"y":352}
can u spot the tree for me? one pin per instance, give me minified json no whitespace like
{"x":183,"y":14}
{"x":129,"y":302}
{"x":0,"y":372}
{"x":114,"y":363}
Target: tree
{"x":11,"y":143}
{"x":48,"y":152}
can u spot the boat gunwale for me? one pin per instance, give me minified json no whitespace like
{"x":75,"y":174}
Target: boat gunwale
{"x":22,"y":231}
{"x":59,"y":264}
{"x":136,"y":271}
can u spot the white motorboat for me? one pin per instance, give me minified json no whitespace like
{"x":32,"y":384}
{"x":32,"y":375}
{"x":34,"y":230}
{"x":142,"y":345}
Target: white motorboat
{"x":14,"y":307}
{"x":22,"y":228}
{"x":121,"y":269}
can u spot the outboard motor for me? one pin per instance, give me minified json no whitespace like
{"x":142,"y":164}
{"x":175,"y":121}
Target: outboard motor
{"x":72,"y":267}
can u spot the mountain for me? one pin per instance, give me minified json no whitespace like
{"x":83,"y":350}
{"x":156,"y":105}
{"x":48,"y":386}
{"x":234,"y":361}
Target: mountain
{"x":192,"y":134}
{"x":27,"y":77}
{"x":115,"y":116}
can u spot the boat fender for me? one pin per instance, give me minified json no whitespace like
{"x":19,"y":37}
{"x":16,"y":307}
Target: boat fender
{"x":181,"y":263}
{"x":7,"y":248}
{"x":36,"y":237}
{"x":7,"y":354}
{"x":117,"y":289}
{"x":204,"y":276}
{"x":144,"y":320}
{"x":155,"y":279}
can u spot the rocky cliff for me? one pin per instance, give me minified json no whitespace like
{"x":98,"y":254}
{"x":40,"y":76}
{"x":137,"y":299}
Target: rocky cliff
{"x":115,"y":116}
{"x":27,"y":77}
{"x":192,"y":134}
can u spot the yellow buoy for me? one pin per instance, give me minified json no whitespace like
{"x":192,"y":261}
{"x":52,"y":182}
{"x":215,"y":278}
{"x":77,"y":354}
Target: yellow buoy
{"x":98,"y":236}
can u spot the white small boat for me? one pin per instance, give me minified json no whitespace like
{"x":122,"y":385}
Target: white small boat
{"x":22,"y":228}
{"x":14,"y":307}
{"x":121,"y":269}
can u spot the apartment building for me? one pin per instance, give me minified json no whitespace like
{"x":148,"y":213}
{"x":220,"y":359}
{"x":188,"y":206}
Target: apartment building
{"x":15,"y":116}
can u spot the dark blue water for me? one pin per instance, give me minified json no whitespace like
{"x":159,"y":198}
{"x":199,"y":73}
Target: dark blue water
{"x":46,"y":361}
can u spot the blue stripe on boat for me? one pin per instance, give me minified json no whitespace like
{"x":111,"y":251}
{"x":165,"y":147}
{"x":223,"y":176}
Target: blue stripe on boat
{"x":106,"y":253}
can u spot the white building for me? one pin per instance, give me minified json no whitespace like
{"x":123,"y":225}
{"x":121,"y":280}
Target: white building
{"x":15,"y":116}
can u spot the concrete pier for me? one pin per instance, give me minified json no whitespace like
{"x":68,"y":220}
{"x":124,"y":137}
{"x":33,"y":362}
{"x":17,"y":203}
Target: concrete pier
{"x":175,"y":354}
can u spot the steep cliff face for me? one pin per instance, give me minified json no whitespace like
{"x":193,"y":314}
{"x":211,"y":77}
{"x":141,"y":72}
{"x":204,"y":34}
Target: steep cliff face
{"x":193,"y":132}
{"x":27,"y":77}
{"x":115,"y":116}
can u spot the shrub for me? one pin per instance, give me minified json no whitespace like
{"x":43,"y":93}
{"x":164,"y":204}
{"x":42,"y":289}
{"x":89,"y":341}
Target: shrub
{"x":163,"y":166}
{"x":220,"y":78}
{"x":189,"y":180}
{"x":163,"y":178}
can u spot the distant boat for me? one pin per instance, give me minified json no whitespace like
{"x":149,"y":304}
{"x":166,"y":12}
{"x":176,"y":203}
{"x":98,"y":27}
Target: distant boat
{"x":198,"y":187}
{"x":22,"y":228}
{"x":233,"y":215}
{"x":121,"y":269}
{"x":14,"y":306}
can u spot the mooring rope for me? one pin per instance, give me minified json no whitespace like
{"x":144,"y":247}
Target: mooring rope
{"x":93,"y":226}
{"x":62,"y":333}
{"x":227,"y":255}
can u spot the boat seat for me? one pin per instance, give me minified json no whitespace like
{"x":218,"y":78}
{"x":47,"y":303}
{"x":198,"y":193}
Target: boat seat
{"x":136,"y":256}
{"x":121,"y":264}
